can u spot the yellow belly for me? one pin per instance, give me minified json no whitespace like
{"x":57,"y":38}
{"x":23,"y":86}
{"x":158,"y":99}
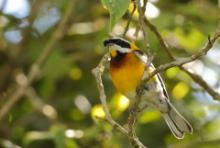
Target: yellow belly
{"x":127,"y":76}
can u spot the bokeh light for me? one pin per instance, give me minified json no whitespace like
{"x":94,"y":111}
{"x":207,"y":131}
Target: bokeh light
{"x":97,"y":112}
{"x":180,"y":90}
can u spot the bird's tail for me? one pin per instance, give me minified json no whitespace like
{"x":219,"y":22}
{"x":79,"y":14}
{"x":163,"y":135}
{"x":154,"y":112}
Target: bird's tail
{"x":176,"y":122}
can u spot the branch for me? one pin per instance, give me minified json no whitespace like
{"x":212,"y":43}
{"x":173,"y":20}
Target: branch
{"x":203,"y":84}
{"x":7,"y":143}
{"x":159,"y":37}
{"x":182,"y":61}
{"x":97,"y":72}
{"x":141,"y":21}
{"x":129,"y":21}
{"x":45,"y":109}
{"x":34,"y":70}
{"x":134,"y":110}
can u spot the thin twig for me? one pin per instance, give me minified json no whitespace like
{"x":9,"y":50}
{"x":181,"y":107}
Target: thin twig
{"x":97,"y":72}
{"x":203,"y":83}
{"x":39,"y":105}
{"x":134,"y":110}
{"x":34,"y":70}
{"x":130,"y":18}
{"x":160,"y":38}
{"x":141,"y":22}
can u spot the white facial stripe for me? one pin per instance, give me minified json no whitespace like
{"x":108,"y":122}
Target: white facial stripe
{"x":122,"y":50}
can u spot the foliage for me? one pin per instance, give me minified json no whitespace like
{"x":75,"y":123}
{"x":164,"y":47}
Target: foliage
{"x":60,"y":108}
{"x":116,"y":9}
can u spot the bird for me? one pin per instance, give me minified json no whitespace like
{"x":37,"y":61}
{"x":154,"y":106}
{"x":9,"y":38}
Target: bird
{"x":128,"y":66}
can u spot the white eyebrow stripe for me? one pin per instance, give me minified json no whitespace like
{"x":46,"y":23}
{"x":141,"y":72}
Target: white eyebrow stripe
{"x":121,"y":49}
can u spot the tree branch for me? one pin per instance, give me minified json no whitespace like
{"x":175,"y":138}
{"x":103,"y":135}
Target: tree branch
{"x":203,"y":84}
{"x":141,"y":17}
{"x":180,"y":62}
{"x":129,"y":21}
{"x":39,"y":105}
{"x":159,"y":37}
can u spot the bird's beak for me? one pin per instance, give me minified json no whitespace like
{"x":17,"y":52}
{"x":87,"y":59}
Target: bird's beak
{"x":112,"y":51}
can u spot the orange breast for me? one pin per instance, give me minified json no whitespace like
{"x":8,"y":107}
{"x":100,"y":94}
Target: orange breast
{"x":127,"y":73}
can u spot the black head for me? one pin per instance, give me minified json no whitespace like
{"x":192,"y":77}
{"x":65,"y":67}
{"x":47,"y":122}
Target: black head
{"x":117,"y":47}
{"x":117,"y":41}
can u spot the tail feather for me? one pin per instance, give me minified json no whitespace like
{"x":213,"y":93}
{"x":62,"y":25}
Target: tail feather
{"x":177,"y":123}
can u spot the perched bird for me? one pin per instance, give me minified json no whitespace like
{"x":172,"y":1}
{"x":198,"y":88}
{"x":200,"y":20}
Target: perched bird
{"x":128,"y":66}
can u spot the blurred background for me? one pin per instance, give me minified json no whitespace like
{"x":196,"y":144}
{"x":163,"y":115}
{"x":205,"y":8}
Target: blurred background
{"x":59,"y":108}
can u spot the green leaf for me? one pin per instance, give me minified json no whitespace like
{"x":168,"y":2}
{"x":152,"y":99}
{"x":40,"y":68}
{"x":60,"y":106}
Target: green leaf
{"x":116,"y":8}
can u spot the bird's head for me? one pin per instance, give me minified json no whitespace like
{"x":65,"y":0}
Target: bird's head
{"x":119,"y":46}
